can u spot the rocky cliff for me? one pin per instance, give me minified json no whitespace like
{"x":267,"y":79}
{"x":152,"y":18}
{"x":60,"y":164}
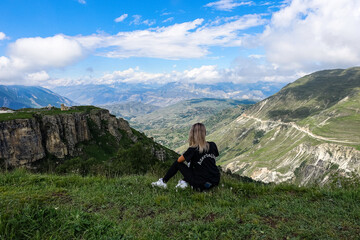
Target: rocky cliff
{"x":24,"y":141}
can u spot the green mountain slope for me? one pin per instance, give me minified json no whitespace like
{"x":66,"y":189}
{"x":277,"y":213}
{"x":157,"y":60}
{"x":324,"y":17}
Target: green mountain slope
{"x":170,"y":125}
{"x":305,"y":133}
{"x":16,"y":97}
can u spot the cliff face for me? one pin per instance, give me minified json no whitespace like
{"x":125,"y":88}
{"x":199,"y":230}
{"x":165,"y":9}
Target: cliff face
{"x":23,"y":141}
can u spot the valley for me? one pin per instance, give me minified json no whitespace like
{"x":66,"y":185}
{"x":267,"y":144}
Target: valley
{"x":307,"y":133}
{"x":170,"y":125}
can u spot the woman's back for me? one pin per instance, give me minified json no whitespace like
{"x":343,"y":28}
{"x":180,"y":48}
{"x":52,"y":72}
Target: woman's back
{"x":204,"y":164}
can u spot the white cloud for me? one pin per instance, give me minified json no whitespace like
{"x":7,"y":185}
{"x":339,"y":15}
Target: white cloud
{"x":2,"y":36}
{"x":38,"y":53}
{"x":171,"y":42}
{"x":170,"y":19}
{"x":257,"y":56}
{"x":228,"y":5}
{"x":7,"y":72}
{"x":38,"y":77}
{"x":138,"y":20}
{"x":131,"y":75}
{"x":245,"y":71}
{"x":178,"y":41}
{"x":184,"y":40}
{"x":204,"y":74}
{"x":314,"y":34}
{"x":30,"y":57}
{"x":121,"y":18}
{"x":82,"y":1}
{"x":256,"y":68}
{"x":149,"y":22}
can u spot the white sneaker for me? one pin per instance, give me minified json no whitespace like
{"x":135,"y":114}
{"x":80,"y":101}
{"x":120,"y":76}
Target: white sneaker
{"x":182,"y":184}
{"x":159,"y":183}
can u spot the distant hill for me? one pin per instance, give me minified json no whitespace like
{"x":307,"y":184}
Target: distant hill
{"x":164,"y":94}
{"x":170,"y":125}
{"x":17,"y":96}
{"x":305,"y":133}
{"x":130,"y":109}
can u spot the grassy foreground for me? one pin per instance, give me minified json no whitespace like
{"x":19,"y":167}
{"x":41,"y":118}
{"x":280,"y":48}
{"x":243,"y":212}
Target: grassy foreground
{"x":40,"y":206}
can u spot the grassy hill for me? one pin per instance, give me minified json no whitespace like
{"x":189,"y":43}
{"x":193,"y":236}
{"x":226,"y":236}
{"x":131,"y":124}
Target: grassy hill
{"x":170,"y":125}
{"x":305,"y":133}
{"x":34,"y":206}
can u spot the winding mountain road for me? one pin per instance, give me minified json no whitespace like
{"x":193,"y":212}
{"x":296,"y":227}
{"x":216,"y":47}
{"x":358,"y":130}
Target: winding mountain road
{"x":292,"y":124}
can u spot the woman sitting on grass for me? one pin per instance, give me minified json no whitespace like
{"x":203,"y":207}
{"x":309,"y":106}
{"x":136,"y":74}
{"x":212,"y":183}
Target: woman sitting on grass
{"x":201,"y":171}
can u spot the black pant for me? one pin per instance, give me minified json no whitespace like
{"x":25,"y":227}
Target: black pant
{"x":188,"y":174}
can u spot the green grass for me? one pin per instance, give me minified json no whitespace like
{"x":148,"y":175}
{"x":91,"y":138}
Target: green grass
{"x":27,"y":113}
{"x":15,"y":115}
{"x":34,"y":206}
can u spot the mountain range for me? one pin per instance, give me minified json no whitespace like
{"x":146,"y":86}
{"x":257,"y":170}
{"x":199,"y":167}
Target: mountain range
{"x":17,"y":96}
{"x":164,"y":94}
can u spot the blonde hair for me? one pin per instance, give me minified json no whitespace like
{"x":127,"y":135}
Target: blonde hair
{"x":197,"y":137}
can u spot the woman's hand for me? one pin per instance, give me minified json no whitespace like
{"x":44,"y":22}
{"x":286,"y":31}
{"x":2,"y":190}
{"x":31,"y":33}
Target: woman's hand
{"x":181,"y":159}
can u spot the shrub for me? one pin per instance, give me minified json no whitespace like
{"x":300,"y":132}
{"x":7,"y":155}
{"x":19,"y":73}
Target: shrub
{"x":136,"y":159}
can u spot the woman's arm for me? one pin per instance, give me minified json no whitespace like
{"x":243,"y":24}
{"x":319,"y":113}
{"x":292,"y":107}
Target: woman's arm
{"x":181,"y":159}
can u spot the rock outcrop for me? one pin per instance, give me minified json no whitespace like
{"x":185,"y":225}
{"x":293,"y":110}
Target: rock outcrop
{"x":21,"y":141}
{"x":24,"y":141}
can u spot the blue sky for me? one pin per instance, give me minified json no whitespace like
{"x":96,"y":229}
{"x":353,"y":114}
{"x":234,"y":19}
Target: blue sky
{"x":69,"y":42}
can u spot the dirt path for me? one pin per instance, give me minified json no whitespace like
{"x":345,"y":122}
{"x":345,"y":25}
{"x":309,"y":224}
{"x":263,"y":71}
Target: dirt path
{"x":304,"y":130}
